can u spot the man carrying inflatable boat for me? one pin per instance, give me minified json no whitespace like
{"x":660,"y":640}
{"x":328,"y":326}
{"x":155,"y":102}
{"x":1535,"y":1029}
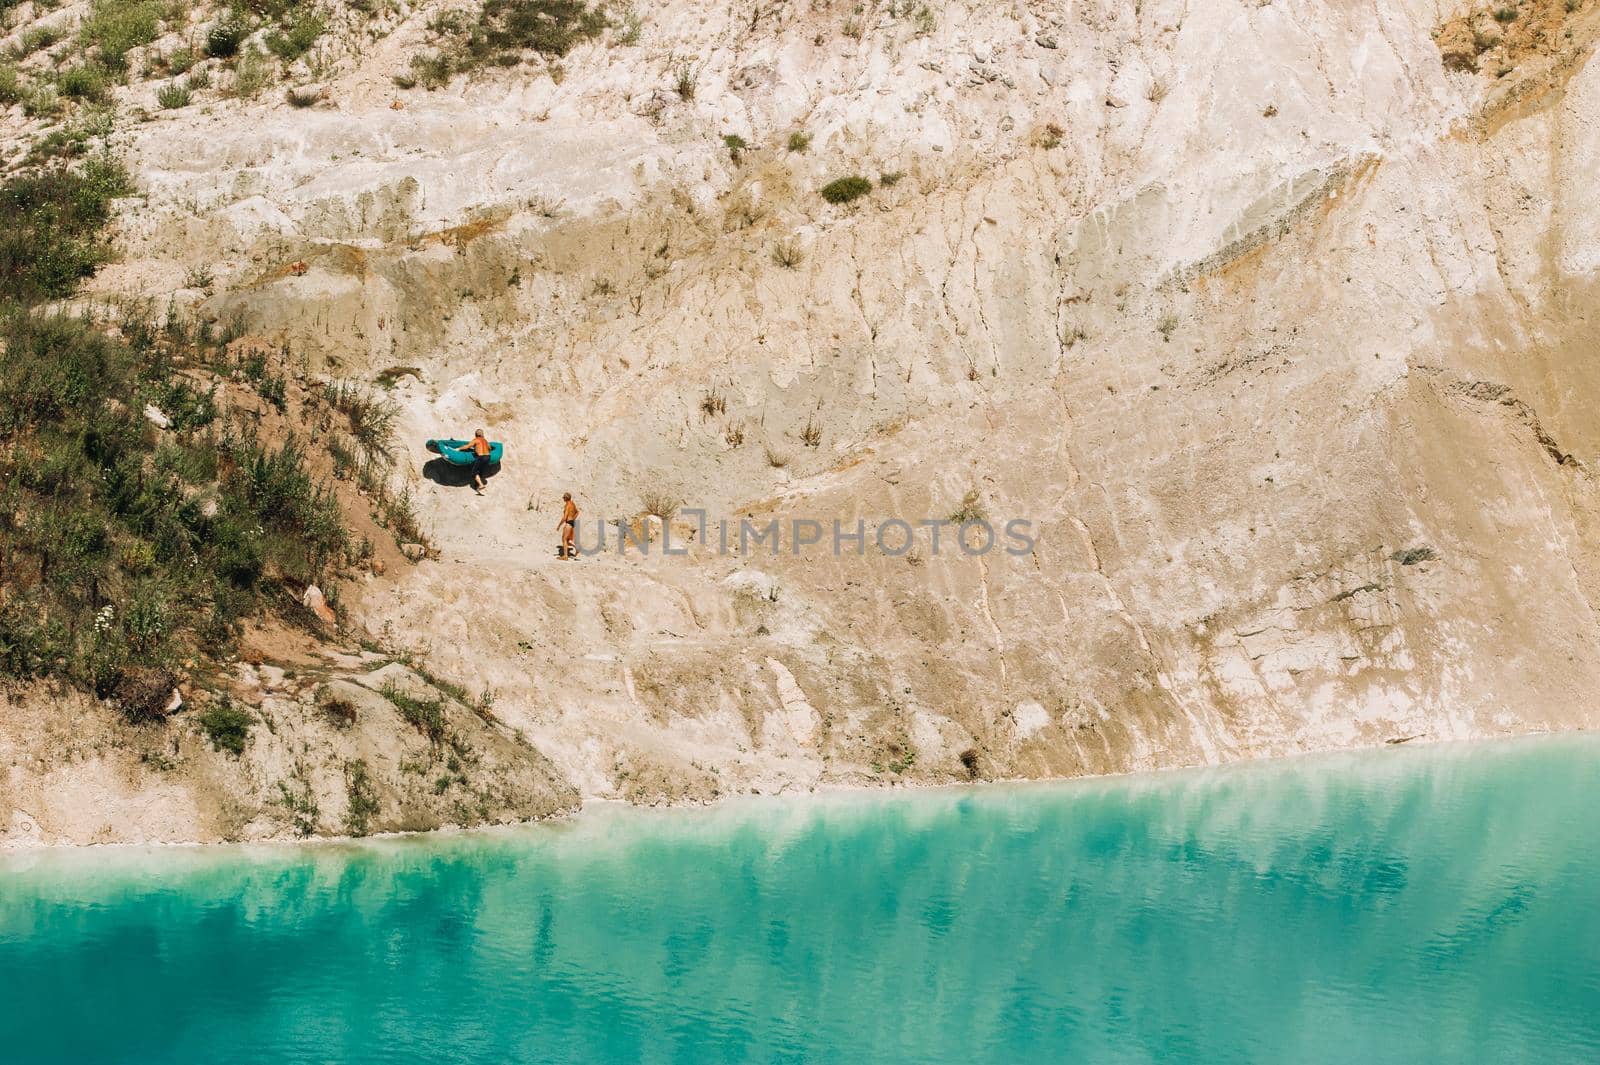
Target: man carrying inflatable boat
{"x":478,"y":453}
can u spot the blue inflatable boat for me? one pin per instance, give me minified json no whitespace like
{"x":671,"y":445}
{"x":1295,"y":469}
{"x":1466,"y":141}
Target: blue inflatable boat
{"x":456,"y":452}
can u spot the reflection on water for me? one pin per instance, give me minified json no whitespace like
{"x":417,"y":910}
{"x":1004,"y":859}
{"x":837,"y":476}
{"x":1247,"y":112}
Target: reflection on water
{"x":1396,"y":906}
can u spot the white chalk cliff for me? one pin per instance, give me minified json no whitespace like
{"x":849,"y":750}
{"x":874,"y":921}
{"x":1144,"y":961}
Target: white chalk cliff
{"x":1280,"y":329}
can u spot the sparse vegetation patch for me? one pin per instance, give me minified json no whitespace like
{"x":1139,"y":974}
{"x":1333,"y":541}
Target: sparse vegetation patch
{"x":426,"y":715}
{"x":503,"y":33}
{"x":116,"y":27}
{"x":361,"y":796}
{"x":845,"y":189}
{"x":1410,"y":556}
{"x":136,"y":549}
{"x":51,"y":239}
{"x":971,"y":509}
{"x":226,"y":726}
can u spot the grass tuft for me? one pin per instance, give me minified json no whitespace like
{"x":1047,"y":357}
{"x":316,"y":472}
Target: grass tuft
{"x":788,"y":254}
{"x":425,"y":715}
{"x":372,"y":416}
{"x":301,"y":28}
{"x":845,"y":189}
{"x":116,"y":27}
{"x":172,"y":96}
{"x":362,"y":803}
{"x":226,"y":36}
{"x":226,"y":726}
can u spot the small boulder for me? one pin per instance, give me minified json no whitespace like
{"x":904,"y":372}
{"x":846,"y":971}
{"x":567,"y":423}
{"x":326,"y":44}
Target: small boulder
{"x":415,"y":552}
{"x":317,"y":603}
{"x":153,"y":415}
{"x":1045,"y":40}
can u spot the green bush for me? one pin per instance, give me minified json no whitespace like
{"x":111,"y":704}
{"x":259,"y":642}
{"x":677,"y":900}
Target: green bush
{"x":40,"y":99}
{"x":11,"y":91}
{"x":300,"y":800}
{"x":32,"y":643}
{"x":432,"y":71}
{"x":845,"y":189}
{"x":501,"y":31}
{"x":274,"y":388}
{"x":35,"y":38}
{"x":51,"y":239}
{"x":79,"y":549}
{"x":172,"y":96}
{"x":57,"y":373}
{"x":299,"y":33}
{"x":192,"y":462}
{"x":372,"y":417}
{"x":186,"y":407}
{"x":142,"y":548}
{"x":270,"y":386}
{"x":85,"y":82}
{"x":125,"y":549}
{"x":363,"y":803}
{"x":117,"y":27}
{"x":73,"y":140}
{"x":146,"y":620}
{"x":226,"y":35}
{"x":226,"y":726}
{"x":273,"y":519}
{"x":550,"y":27}
{"x":250,"y":75}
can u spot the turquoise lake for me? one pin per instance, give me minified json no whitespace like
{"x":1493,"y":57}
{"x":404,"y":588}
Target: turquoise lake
{"x":1406,"y":905}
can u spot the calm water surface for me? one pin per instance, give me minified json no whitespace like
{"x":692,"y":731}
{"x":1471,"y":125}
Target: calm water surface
{"x":1410,"y":905}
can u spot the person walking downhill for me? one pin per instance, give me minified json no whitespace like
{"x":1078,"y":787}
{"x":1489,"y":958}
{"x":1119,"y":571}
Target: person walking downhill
{"x":568,"y":527}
